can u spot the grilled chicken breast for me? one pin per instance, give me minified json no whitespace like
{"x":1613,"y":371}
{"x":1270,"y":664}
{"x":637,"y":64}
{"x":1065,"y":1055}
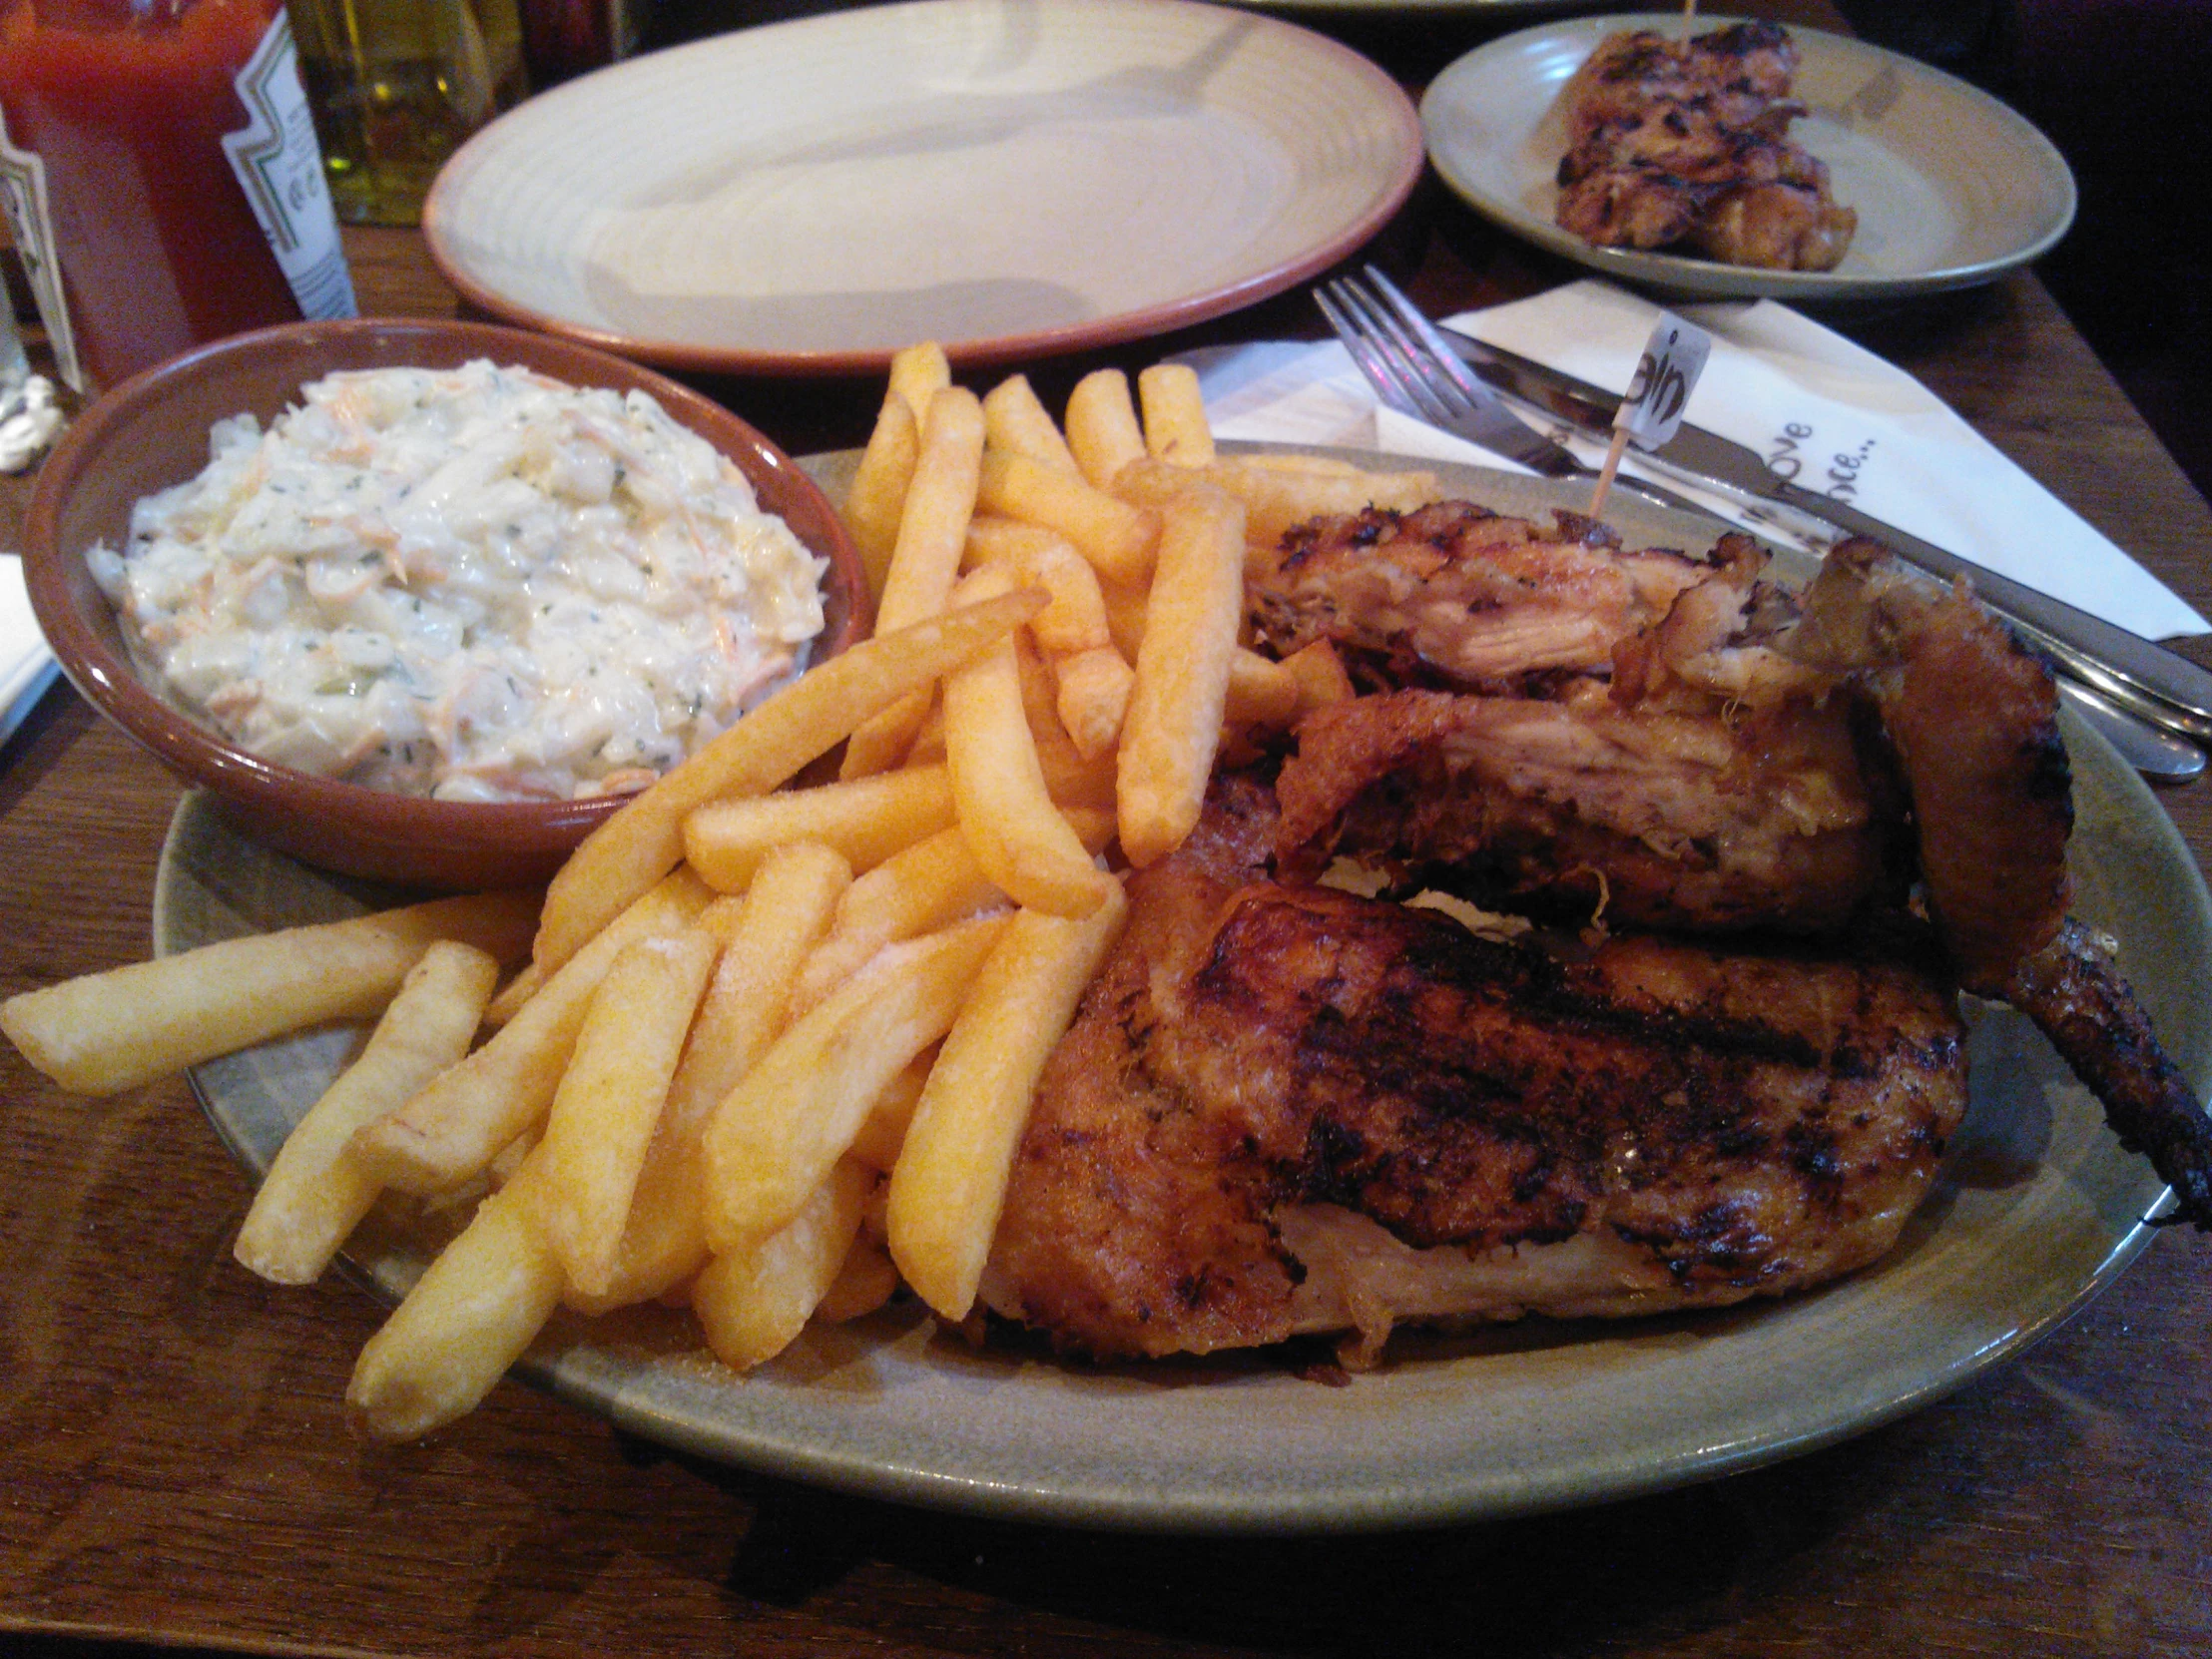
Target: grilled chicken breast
{"x":1685,"y":143}
{"x":1290,"y":1109}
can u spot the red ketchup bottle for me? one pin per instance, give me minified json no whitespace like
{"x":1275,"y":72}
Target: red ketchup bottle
{"x":162,"y":178}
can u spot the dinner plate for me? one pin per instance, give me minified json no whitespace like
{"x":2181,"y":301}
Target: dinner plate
{"x":1009,"y":178}
{"x":1951,"y":187}
{"x":2037,"y":1209}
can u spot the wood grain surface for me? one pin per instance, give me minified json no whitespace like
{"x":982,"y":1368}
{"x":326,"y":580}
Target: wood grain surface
{"x":176,"y":1471}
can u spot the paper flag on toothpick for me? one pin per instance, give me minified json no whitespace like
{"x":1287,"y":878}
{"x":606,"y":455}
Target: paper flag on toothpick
{"x":1652,"y":412}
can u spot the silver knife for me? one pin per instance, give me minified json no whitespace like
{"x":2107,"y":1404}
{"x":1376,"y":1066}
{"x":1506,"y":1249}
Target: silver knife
{"x":2145,"y":678}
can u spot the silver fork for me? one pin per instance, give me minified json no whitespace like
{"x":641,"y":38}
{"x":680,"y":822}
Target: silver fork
{"x":1412,"y":367}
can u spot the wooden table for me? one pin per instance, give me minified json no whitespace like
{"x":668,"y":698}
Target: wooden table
{"x":175,"y":1468}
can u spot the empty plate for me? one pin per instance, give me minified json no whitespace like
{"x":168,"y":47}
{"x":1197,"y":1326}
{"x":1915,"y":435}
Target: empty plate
{"x":1009,"y":177}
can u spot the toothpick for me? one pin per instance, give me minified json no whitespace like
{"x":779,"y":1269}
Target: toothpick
{"x":1606,"y":472}
{"x":1689,"y":18}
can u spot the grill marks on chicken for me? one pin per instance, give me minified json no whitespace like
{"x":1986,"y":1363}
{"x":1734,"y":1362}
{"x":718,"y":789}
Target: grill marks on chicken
{"x":1286,"y":1109}
{"x":1649,"y":1124}
{"x":1675,"y":142}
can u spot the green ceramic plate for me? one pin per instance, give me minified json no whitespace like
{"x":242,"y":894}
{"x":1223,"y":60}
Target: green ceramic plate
{"x":2038,"y":1211}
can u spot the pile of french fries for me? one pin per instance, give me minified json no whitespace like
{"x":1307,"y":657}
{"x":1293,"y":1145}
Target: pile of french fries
{"x":772,"y":1047}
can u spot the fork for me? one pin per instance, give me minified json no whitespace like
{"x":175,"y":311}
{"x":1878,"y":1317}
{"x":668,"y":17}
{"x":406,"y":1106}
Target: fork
{"x":1413,"y":369}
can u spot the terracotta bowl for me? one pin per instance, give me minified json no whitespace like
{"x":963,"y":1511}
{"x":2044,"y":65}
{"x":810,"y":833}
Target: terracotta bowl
{"x":152,"y":431}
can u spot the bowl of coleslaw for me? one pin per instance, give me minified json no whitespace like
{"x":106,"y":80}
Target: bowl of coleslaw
{"x":424,"y":601}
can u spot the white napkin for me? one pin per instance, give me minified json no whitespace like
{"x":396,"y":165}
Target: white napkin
{"x":26,"y":667}
{"x":1794,"y":391}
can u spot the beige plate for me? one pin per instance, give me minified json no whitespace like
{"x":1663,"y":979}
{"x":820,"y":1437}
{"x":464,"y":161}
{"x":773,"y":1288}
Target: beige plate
{"x":2038,"y":1211}
{"x":1010,"y":178}
{"x":1951,"y":187}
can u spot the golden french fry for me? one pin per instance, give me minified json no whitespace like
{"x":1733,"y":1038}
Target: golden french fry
{"x":609,"y":1098}
{"x":1176,"y":429}
{"x":1183,"y":665}
{"x":475,"y":1312}
{"x":100,"y":1034}
{"x":1279,"y":495}
{"x":1262,"y":692}
{"x":866,"y":1280}
{"x":1125,"y":608}
{"x":879,"y":494}
{"x":1093,"y":698}
{"x":950,"y":1178}
{"x":315,"y":1191}
{"x":1321,"y":677}
{"x":998,"y":786}
{"x":778,"y":1134}
{"x":1015,"y":419}
{"x":928,"y":749}
{"x":866,"y":820}
{"x":767,"y":936}
{"x":932,"y":884}
{"x":514,"y":993}
{"x":753,"y":1300}
{"x":1075,"y":620}
{"x":919,"y":373}
{"x":1102,"y":426}
{"x":1118,"y":537}
{"x":932,"y":533}
{"x":1084,"y":789}
{"x":766,"y":747}
{"x":459,"y":1122}
{"x":877,"y":1143}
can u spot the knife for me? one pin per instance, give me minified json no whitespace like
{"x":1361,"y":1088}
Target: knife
{"x":2145,"y":678}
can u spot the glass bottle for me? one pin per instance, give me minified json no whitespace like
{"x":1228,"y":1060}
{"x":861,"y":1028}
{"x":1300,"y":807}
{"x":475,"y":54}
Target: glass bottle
{"x":397,"y":85}
{"x":160,"y":176}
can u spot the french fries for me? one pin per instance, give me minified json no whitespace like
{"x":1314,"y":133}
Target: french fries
{"x":753,"y":1298}
{"x":1014,"y":420}
{"x":866,"y":821}
{"x":880,"y":485}
{"x":1102,"y":426}
{"x":1118,"y":537}
{"x":949,"y":1178}
{"x":773,"y":1050}
{"x":609,"y":1099}
{"x":767,"y":936}
{"x":932,"y":533}
{"x":1175,"y":425}
{"x":781,"y":1130}
{"x":454,"y":1127}
{"x":102,"y":1033}
{"x":1023,"y":844}
{"x":475,"y":1312}
{"x":1183,"y":668}
{"x":316,"y":1190}
{"x":805,"y":720}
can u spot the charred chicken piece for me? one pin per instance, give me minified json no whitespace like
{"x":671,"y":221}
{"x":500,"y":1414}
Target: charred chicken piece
{"x":1461,"y":595}
{"x":1572,"y":809}
{"x":1675,"y":144}
{"x":1973,"y":716}
{"x":1285,"y":1110}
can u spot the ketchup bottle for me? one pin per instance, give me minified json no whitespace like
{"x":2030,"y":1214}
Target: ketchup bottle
{"x":162,"y":178}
